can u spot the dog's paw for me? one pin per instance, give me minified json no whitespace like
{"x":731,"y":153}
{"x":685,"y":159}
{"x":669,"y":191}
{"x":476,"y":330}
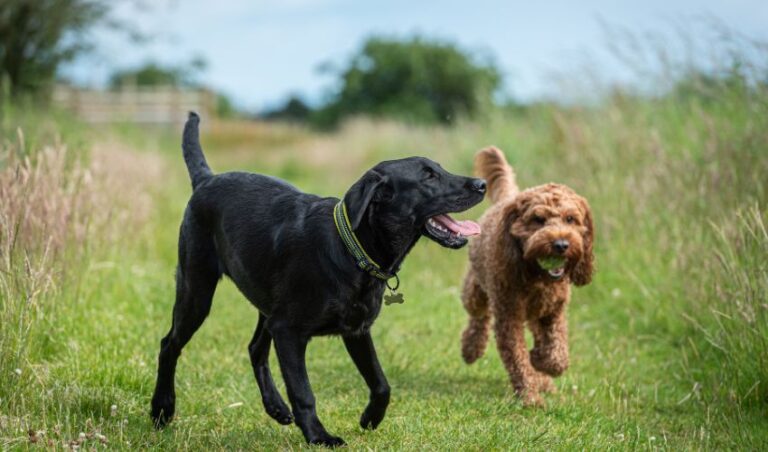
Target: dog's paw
{"x":372,"y":417}
{"x":545,"y":384}
{"x":533,"y":401}
{"x":163,"y":409}
{"x":375,"y":411}
{"x":470,"y":353}
{"x":548,"y":362}
{"x":327,"y":440}
{"x":278,"y":411}
{"x":529,"y":397}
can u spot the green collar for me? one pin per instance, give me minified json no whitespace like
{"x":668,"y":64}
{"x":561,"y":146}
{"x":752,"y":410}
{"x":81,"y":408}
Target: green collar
{"x":363,"y":260}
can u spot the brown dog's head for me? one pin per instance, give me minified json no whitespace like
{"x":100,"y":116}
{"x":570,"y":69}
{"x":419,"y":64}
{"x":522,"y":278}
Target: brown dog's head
{"x":553,"y":228}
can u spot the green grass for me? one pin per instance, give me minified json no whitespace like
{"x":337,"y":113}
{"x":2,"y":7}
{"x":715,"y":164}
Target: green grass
{"x":661,"y":355}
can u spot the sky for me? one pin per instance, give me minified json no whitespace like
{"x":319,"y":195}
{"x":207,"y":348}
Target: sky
{"x":260,"y":52}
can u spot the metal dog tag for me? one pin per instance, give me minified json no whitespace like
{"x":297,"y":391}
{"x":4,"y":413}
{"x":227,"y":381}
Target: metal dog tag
{"x":393,"y":297}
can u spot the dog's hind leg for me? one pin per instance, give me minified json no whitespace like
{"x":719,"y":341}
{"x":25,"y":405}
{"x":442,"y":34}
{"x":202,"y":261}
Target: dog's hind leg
{"x":196,"y":278}
{"x":475,"y":337}
{"x":258,"y":350}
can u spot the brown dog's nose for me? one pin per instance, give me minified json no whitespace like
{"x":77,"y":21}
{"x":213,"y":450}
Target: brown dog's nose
{"x":560,"y":245}
{"x":477,"y":185}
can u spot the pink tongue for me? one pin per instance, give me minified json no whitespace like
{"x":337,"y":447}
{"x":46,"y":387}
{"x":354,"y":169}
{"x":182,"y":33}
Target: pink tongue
{"x":466,"y":228}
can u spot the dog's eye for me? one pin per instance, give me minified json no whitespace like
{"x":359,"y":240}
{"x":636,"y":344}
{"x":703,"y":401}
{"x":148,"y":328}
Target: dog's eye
{"x":429,"y":173}
{"x":540,"y":220}
{"x":569,"y":219}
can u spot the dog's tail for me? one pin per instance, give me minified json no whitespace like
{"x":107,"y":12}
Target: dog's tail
{"x":491,"y":165}
{"x":199,"y":171}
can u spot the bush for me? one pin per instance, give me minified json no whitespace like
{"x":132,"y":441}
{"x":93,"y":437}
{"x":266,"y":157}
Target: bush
{"x":415,"y":80}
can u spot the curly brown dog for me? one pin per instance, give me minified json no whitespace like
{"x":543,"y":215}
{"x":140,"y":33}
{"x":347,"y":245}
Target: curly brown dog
{"x":535,"y":243}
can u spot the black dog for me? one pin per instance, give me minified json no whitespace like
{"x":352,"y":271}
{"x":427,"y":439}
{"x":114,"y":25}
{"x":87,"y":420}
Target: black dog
{"x":284,"y":252}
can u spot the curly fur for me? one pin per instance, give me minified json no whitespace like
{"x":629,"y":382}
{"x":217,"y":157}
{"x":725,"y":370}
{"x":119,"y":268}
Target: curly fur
{"x":505,"y":282}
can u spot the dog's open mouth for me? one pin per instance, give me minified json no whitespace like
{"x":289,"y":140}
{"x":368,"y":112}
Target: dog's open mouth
{"x":553,"y":265}
{"x":449,"y":232}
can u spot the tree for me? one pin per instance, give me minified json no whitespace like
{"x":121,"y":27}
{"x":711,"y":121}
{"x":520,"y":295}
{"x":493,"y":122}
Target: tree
{"x":154,"y":74}
{"x":294,"y":110}
{"x":415,"y":79}
{"x":182,"y":76}
{"x":36,"y":36}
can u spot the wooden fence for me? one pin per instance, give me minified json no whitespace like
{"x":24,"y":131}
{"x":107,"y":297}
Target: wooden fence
{"x":145,"y":105}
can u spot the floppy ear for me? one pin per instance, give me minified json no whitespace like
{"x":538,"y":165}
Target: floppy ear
{"x":582,"y":272}
{"x":359,"y":196}
{"x":512,"y":246}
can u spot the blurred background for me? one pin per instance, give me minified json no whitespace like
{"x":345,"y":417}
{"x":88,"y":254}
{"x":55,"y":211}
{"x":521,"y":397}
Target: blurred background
{"x":655,"y":111}
{"x":320,"y":61}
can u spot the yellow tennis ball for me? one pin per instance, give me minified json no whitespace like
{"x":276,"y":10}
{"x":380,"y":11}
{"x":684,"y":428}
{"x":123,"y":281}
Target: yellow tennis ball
{"x":551,"y":262}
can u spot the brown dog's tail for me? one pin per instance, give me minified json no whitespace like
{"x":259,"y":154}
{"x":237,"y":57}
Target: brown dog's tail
{"x":491,"y":165}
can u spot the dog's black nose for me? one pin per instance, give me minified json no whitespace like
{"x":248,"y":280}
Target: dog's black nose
{"x":477,"y":185}
{"x":560,"y":245}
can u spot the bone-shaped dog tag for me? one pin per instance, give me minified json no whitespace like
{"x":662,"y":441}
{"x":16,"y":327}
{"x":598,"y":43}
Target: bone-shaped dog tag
{"x":393,"y":297}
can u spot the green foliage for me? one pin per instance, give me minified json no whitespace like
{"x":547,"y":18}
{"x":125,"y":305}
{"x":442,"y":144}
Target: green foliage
{"x":154,"y":74}
{"x":27,"y":129}
{"x":37,"y":36}
{"x":182,"y":76}
{"x":734,"y":320}
{"x":150,"y":74}
{"x":224,"y":107}
{"x":414,"y":80}
{"x":294,"y":110}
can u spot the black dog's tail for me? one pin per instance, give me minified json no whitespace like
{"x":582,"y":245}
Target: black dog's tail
{"x":199,"y":171}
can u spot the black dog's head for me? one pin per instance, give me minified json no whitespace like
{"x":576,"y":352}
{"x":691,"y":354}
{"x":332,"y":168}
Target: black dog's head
{"x":411,"y":197}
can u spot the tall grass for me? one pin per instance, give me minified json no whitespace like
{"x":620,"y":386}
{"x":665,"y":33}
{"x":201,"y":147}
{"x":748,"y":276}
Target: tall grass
{"x":733,"y":322}
{"x":58,"y":209}
{"x":44,"y":215}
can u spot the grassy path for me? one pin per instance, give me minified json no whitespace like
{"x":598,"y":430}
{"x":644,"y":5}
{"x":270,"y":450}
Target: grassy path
{"x":629,"y":385}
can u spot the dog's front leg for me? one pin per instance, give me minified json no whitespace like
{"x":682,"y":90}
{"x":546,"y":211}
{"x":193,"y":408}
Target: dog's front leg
{"x":510,"y":340}
{"x":363,"y":354}
{"x":291,"y":347}
{"x":550,"y":351}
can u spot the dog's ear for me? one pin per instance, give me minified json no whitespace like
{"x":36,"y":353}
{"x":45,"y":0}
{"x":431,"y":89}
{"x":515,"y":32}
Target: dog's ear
{"x":359,"y":196}
{"x":582,"y":272}
{"x":512,"y":246}
{"x":513,"y":211}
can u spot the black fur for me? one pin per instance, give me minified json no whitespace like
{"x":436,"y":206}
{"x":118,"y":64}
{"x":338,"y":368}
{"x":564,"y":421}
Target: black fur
{"x":281,"y":248}
{"x":199,"y":170}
